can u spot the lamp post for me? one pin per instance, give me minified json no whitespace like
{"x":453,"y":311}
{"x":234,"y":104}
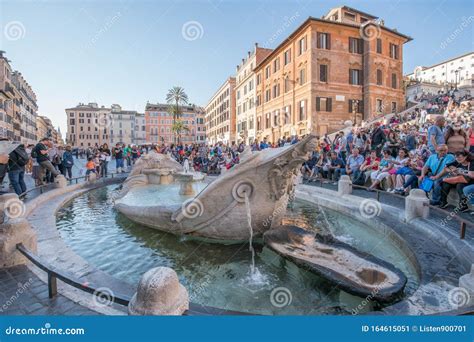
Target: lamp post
{"x":456,"y":72}
{"x":355,"y":105}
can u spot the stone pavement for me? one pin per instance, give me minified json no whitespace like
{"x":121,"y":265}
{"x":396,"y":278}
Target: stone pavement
{"x":77,"y":170}
{"x":22,"y":293}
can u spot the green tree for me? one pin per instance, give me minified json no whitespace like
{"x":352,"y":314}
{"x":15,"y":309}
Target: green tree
{"x":179,"y":127}
{"x":176,"y":97}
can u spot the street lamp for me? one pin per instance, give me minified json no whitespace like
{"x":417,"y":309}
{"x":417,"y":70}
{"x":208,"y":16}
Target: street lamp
{"x":456,"y":72}
{"x":355,"y":105}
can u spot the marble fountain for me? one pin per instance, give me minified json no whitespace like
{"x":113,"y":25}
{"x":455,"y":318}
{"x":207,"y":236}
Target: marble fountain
{"x":247,"y":203}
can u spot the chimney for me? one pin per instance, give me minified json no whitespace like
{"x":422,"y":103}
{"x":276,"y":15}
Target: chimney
{"x":248,"y":53}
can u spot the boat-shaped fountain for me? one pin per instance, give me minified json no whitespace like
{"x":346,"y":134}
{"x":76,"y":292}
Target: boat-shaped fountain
{"x":248,"y":201}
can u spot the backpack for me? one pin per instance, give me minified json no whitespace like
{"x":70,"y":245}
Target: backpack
{"x":34,"y":153}
{"x":22,"y":157}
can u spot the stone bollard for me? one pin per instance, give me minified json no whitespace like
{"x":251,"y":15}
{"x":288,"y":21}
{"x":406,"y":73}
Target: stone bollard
{"x":159,"y":293}
{"x":344,"y":186}
{"x":60,"y":181}
{"x":467,"y":282}
{"x":14,"y":229}
{"x":415,"y":205}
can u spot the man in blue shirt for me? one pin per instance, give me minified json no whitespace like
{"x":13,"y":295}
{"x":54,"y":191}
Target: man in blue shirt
{"x":335,"y":165}
{"x":435,"y":134}
{"x":354,"y":161}
{"x":433,"y":168}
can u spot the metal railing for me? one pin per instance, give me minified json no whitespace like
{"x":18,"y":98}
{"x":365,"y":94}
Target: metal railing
{"x":54,"y":274}
{"x":462,"y":222}
{"x":76,"y":180}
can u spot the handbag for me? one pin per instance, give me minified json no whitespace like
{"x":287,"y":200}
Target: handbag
{"x":427,"y":184}
{"x":405,"y":170}
{"x":455,"y":180}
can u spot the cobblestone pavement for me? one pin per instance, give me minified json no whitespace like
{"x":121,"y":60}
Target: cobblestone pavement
{"x":22,"y":293}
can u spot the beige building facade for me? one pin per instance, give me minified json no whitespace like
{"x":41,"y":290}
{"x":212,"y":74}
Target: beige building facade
{"x":122,"y":125}
{"x":88,"y":125}
{"x":26,"y":109}
{"x":140,"y":129}
{"x":220,"y":117}
{"x":18,"y":105}
{"x":245,"y":94}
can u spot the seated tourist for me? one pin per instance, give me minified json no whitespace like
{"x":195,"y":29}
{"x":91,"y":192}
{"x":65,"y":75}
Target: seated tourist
{"x":411,"y":179}
{"x":434,"y":171}
{"x":336,"y":163}
{"x":385,"y":166}
{"x":468,"y":191}
{"x":320,"y":168}
{"x":457,"y":178}
{"x":399,"y":168}
{"x":370,"y":164}
{"x":307,"y":168}
{"x":354,"y":161}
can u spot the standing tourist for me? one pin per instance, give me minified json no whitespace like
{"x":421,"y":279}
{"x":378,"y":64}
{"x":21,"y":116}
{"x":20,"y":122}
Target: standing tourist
{"x":104,"y":169}
{"x":67,"y":162}
{"x":456,"y":139}
{"x":435,"y":134}
{"x":118,"y":153}
{"x":377,"y":139}
{"x":40,"y":152}
{"x":17,"y":161}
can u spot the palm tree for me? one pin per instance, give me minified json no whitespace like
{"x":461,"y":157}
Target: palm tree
{"x":178,"y":127}
{"x":176,"y":97}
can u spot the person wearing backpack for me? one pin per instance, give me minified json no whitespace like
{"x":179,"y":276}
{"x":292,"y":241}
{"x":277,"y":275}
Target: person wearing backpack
{"x":18,"y":159}
{"x":67,"y":162}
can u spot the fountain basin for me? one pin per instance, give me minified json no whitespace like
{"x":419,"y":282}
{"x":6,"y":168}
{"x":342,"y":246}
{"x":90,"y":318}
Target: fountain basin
{"x":219,"y":274}
{"x":355,"y":272}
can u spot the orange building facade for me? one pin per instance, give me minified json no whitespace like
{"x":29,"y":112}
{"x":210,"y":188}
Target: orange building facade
{"x":346,"y":66}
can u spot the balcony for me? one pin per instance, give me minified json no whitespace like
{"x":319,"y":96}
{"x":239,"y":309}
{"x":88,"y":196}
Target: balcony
{"x":9,"y":88}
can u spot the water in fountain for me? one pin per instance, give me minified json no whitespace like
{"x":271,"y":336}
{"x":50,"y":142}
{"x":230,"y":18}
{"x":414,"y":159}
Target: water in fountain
{"x":255,"y":277}
{"x":249,"y":220}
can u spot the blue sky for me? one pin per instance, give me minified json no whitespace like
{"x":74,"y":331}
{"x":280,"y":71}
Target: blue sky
{"x":131,"y":52}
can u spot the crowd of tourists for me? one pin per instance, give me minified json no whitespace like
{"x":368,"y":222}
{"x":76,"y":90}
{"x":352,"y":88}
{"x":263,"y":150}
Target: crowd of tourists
{"x":429,"y":147}
{"x":431,"y":151}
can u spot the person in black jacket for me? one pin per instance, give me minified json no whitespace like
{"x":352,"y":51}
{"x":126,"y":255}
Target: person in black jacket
{"x":18,"y":159}
{"x":378,"y":139}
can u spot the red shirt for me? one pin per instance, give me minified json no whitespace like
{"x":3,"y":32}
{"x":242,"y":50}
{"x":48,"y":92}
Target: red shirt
{"x":369,"y":161}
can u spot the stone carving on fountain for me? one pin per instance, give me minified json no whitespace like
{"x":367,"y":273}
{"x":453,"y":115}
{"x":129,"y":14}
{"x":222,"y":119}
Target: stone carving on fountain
{"x":151,"y":168}
{"x":353,"y":271}
{"x":219,"y":211}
